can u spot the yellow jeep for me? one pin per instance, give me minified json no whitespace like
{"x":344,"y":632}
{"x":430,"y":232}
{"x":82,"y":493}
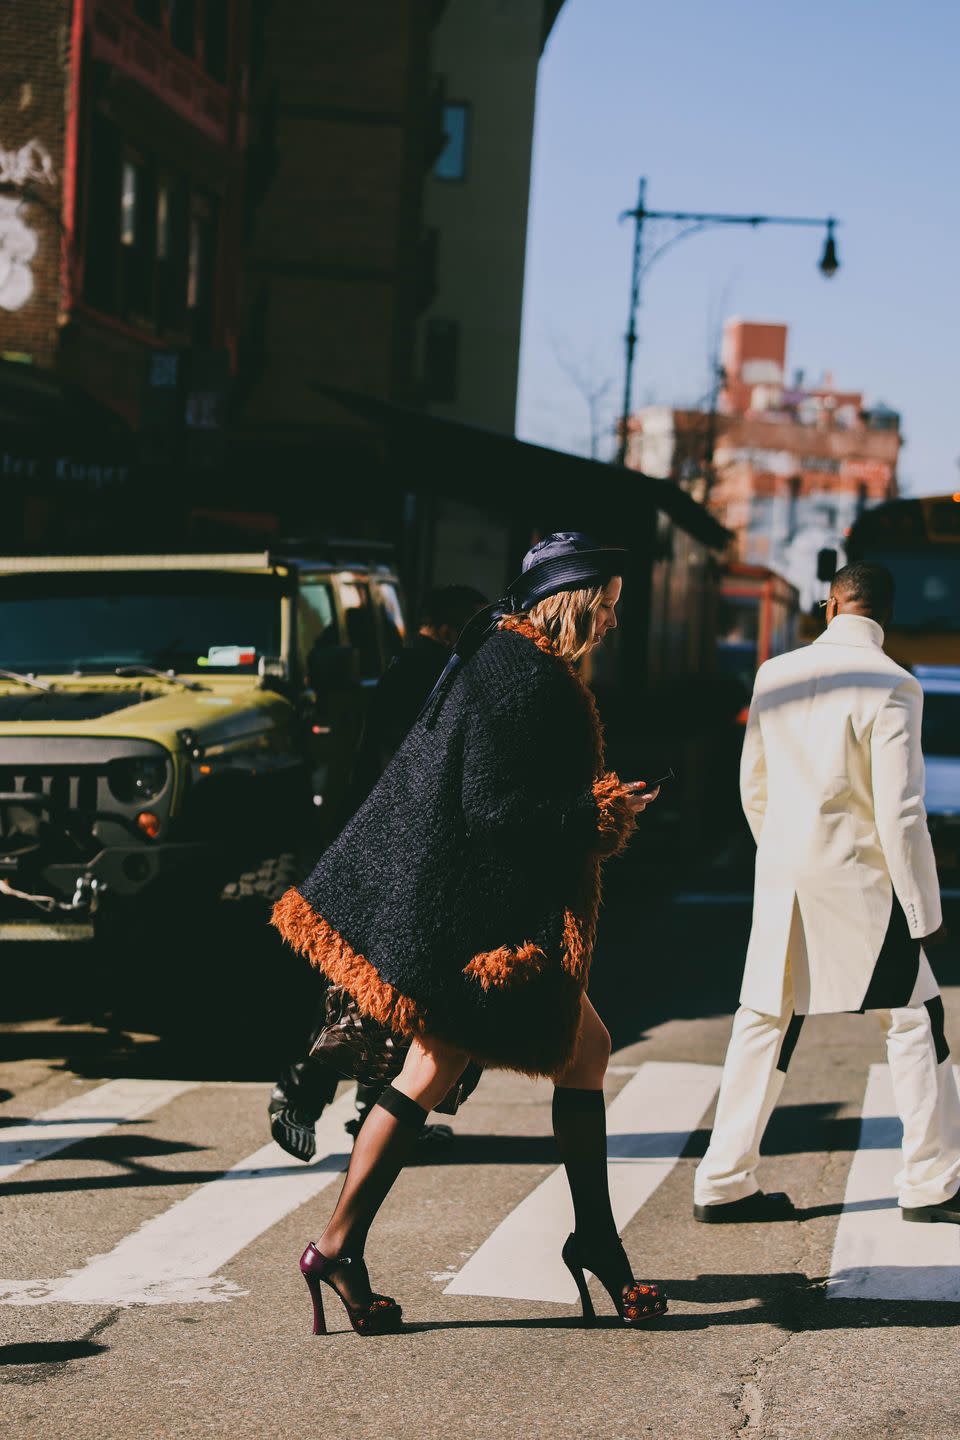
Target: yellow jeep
{"x":168,"y":721}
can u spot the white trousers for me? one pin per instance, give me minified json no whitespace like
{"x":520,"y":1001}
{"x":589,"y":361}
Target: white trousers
{"x":924,"y":1087}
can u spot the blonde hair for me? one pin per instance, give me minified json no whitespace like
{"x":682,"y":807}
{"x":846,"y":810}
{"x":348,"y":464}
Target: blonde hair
{"x":569,"y":620}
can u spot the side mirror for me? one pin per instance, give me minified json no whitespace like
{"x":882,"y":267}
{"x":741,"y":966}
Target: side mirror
{"x":272,"y":670}
{"x":826,"y":565}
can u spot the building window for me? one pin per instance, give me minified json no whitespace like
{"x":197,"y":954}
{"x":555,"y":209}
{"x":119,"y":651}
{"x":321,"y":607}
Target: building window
{"x":163,"y":220}
{"x":151,"y":11}
{"x":216,"y":38}
{"x":201,"y":255}
{"x":130,"y":187}
{"x":183,"y":26}
{"x":171,"y":253}
{"x":151,"y":241}
{"x":136,"y":239}
{"x":452,"y":161}
{"x":441,"y":360}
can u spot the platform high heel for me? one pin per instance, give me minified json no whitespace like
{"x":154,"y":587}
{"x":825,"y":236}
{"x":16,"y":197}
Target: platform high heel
{"x":382,"y":1316}
{"x":637,"y":1302}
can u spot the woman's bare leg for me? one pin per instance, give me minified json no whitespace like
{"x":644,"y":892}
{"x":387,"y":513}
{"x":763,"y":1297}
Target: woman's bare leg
{"x":430,"y":1071}
{"x":587,"y":1066}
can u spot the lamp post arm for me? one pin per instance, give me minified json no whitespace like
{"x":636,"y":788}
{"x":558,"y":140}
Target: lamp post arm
{"x":692,"y":221}
{"x":707,"y":218}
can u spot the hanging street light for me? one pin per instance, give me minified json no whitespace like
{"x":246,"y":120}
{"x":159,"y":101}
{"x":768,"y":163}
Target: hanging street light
{"x":691,"y":222}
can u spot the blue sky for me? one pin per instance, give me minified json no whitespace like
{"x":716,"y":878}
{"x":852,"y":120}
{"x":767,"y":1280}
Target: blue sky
{"x":848,"y":108}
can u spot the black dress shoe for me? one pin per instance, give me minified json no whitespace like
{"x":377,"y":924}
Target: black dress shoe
{"x":947,"y":1212}
{"x":752,"y":1209}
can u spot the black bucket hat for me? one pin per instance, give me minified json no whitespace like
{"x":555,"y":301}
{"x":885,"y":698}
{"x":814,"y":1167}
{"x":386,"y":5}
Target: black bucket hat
{"x":566,"y":560}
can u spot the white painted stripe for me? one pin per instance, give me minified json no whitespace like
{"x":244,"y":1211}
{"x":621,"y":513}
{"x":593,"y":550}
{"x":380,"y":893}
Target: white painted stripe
{"x":876,"y":1255}
{"x":521,"y":1259}
{"x":174,"y":1258}
{"x":83,"y":1117}
{"x":23,"y":931}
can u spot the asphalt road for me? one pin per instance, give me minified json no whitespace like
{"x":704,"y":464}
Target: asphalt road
{"x":142,"y":1294}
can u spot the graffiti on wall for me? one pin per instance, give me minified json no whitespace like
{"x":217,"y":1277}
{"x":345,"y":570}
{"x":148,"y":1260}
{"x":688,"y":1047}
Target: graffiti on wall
{"x":31,"y":164}
{"x":18,"y":246}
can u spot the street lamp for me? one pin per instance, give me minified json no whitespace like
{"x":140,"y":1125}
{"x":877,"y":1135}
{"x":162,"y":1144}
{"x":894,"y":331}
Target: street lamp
{"x":692,"y":222}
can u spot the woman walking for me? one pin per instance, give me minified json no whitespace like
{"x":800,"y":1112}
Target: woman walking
{"x":459,"y":908}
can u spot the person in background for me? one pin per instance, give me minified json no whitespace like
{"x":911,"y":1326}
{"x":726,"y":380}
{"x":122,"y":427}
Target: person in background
{"x":306,"y":1086}
{"x":405,"y":685}
{"x":846,"y":904}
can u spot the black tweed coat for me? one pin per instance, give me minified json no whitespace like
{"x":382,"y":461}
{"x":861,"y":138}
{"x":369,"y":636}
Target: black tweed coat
{"x":462,"y":897}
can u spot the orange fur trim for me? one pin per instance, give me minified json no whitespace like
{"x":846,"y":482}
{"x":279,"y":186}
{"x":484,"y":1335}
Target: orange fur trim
{"x":520,"y":625}
{"x":577,"y":947}
{"x":311,"y":936}
{"x":507,"y":966}
{"x":617,"y":821}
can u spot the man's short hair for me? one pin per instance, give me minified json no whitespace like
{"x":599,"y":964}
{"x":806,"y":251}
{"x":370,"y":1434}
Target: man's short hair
{"x":871,"y":586}
{"x":451,"y":605}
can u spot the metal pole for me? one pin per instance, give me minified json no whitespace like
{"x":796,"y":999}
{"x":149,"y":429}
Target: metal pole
{"x":631,"y":336}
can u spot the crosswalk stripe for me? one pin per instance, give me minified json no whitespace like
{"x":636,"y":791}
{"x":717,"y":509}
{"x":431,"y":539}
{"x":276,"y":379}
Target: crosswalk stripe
{"x":521,"y":1258}
{"x":174,"y":1258}
{"x":875,"y":1255}
{"x":84,"y":1117}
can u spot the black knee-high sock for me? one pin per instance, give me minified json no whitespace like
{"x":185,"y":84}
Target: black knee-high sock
{"x":580,"y":1127}
{"x":379,"y":1153}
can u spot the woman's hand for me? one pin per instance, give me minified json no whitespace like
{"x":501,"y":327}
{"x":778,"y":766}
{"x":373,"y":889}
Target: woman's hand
{"x":638,"y":796}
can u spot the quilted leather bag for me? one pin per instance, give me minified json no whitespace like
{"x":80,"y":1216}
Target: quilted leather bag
{"x":353,"y":1045}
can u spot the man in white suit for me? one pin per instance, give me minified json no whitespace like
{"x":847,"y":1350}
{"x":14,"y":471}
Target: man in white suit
{"x":846,"y":900}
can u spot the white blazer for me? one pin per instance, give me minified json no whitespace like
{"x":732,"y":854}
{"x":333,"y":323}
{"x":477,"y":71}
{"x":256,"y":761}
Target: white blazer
{"x":831,"y":781}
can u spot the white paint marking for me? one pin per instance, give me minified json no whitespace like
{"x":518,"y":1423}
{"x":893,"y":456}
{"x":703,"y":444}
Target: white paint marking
{"x":174,"y":1258}
{"x":877,"y":1255}
{"x":521,"y":1259}
{"x":84,"y":1117}
{"x":22,"y":931}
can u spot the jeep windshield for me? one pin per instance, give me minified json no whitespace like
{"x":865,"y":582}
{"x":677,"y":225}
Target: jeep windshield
{"x":204,"y":623}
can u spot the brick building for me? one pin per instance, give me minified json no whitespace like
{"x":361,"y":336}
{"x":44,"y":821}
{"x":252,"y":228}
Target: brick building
{"x":122,"y":133}
{"x":388,"y":180}
{"x":793,"y":464}
{"x":215,"y":212}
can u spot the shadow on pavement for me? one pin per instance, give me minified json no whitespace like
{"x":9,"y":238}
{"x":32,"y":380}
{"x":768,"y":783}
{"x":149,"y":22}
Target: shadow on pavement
{"x":790,"y":1301}
{"x":49,"y":1352}
{"x":795,"y":1302}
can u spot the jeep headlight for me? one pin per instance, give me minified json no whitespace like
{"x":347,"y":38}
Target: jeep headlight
{"x":133,"y":781}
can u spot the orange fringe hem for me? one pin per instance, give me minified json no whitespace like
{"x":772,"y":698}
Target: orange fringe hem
{"x":311,"y":936}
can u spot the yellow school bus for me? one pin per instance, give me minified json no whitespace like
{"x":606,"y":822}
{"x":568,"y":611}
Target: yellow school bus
{"x":919,"y":541}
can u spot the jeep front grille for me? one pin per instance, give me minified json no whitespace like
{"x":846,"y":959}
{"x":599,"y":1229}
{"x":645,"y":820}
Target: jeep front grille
{"x":66,"y":787}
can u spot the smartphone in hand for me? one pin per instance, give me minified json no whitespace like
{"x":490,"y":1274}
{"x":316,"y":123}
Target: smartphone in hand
{"x":651,"y":784}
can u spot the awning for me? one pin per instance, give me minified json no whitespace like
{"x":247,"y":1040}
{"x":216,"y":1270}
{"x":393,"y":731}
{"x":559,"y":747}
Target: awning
{"x":448,"y":458}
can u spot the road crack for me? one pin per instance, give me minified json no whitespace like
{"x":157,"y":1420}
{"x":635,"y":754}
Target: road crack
{"x":749,"y":1402}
